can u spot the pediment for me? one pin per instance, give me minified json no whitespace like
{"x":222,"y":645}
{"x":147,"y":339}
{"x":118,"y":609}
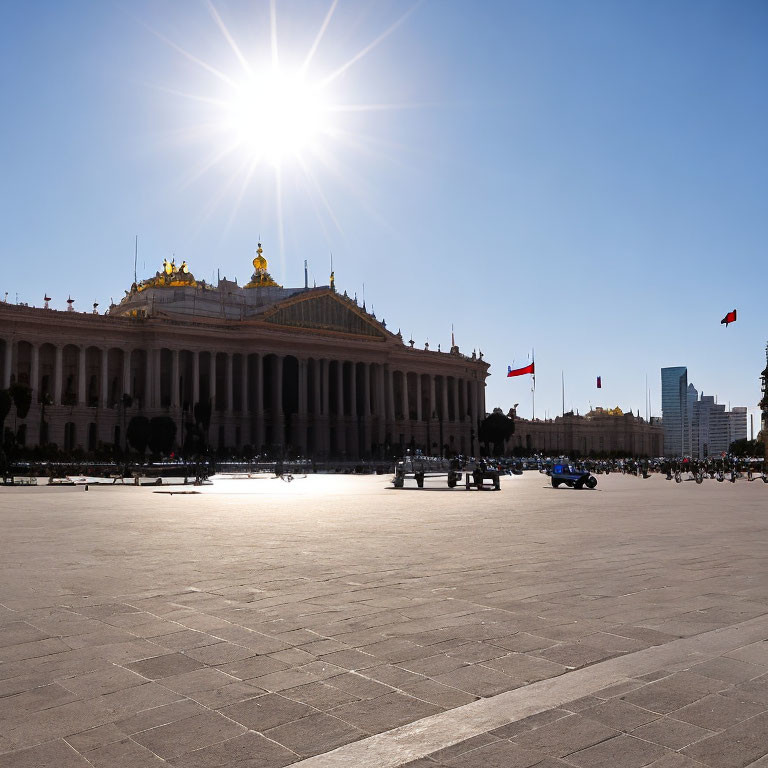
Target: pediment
{"x":325,"y":313}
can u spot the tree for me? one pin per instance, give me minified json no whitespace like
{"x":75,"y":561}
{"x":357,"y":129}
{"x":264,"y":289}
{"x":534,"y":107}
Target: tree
{"x":746,"y":447}
{"x":5,"y":406}
{"x":21,"y":395}
{"x":138,"y":433}
{"x":194,"y":441}
{"x":495,"y":429}
{"x":162,"y":433}
{"x":202,"y":412}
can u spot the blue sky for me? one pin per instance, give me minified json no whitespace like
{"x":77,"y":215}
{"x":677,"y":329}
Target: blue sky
{"x":583,"y":178}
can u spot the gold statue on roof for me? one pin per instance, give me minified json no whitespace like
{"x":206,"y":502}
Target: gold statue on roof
{"x":261,"y":277}
{"x":170,"y":276}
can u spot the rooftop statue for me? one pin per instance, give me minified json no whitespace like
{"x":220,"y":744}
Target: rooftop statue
{"x":261,"y":277}
{"x":171,"y":276}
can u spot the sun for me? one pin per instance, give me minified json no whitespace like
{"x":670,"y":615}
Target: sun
{"x":256,"y":110}
{"x":274,"y":115}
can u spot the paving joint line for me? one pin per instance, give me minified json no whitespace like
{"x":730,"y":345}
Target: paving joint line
{"x":421,"y":738}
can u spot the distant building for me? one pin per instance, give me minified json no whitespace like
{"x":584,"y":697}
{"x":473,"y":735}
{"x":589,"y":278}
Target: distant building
{"x":710,"y":428}
{"x":737,"y":424}
{"x":713,"y":428}
{"x":675,"y":411}
{"x":599,"y":433}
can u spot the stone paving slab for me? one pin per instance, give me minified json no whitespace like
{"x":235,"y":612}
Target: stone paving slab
{"x":136,"y":627}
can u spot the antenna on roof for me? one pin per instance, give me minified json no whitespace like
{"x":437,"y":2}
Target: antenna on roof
{"x":135,"y":257}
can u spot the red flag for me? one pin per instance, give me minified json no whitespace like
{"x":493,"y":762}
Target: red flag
{"x":729,"y":318}
{"x":520,"y":371}
{"x":599,"y":382}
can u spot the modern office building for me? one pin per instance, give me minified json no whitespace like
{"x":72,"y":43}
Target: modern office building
{"x":710,"y":427}
{"x":675,"y":411}
{"x":737,"y":424}
{"x":714,"y":428}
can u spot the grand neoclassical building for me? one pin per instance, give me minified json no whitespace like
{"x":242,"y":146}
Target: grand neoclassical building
{"x":300,"y":369}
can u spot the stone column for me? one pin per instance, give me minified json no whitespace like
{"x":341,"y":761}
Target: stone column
{"x":126,"y":371}
{"x":444,"y":412}
{"x":353,"y":390}
{"x":34,"y":372}
{"x":406,"y":408}
{"x":244,"y":384}
{"x":147,"y":378}
{"x":58,"y":374}
{"x":390,"y":386}
{"x":157,"y":391}
{"x":175,"y":378}
{"x":195,"y":378}
{"x":341,"y":434}
{"x":481,"y":396}
{"x":300,"y":423}
{"x":230,"y":384}
{"x":323,"y":424}
{"x":381,"y":406}
{"x":366,"y":414}
{"x":303,"y":374}
{"x":339,"y":389}
{"x":353,"y":438}
{"x":456,"y":414}
{"x":105,"y":378}
{"x":318,"y":429}
{"x":259,"y":410}
{"x":432,"y":397}
{"x":317,"y":394}
{"x":260,"y":385}
{"x":81,"y":376}
{"x":419,"y":414}
{"x":472,"y":414}
{"x":278,"y":421}
{"x":7,"y":363}
{"x":212,"y":380}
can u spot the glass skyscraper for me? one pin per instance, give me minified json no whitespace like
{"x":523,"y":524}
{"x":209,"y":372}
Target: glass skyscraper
{"x":675,"y":411}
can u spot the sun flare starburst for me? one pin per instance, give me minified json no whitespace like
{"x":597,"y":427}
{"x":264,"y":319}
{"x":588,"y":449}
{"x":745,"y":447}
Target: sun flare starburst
{"x":266,"y":113}
{"x":274,"y":115}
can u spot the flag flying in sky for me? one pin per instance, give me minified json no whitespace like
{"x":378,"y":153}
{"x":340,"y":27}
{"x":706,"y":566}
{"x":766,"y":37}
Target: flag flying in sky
{"x":599,"y":382}
{"x":520,"y":371}
{"x":729,"y":318}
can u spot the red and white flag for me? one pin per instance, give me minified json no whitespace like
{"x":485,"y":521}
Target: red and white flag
{"x":520,"y":371}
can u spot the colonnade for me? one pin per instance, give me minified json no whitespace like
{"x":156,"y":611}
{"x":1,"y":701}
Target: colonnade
{"x":316,"y":404}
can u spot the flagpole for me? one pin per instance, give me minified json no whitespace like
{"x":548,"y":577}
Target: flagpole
{"x":562,"y":388}
{"x":533,"y":387}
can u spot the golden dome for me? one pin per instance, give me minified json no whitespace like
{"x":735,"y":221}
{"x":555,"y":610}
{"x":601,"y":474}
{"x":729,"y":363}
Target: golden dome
{"x":260,"y":263}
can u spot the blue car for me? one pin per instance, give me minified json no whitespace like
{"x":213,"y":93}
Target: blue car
{"x":572,"y":477}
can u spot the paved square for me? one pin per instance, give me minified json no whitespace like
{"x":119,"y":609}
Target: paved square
{"x":261,"y":623}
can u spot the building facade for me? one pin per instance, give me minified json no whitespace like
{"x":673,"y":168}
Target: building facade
{"x":305,"y":370}
{"x":764,"y":404}
{"x":599,"y":433}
